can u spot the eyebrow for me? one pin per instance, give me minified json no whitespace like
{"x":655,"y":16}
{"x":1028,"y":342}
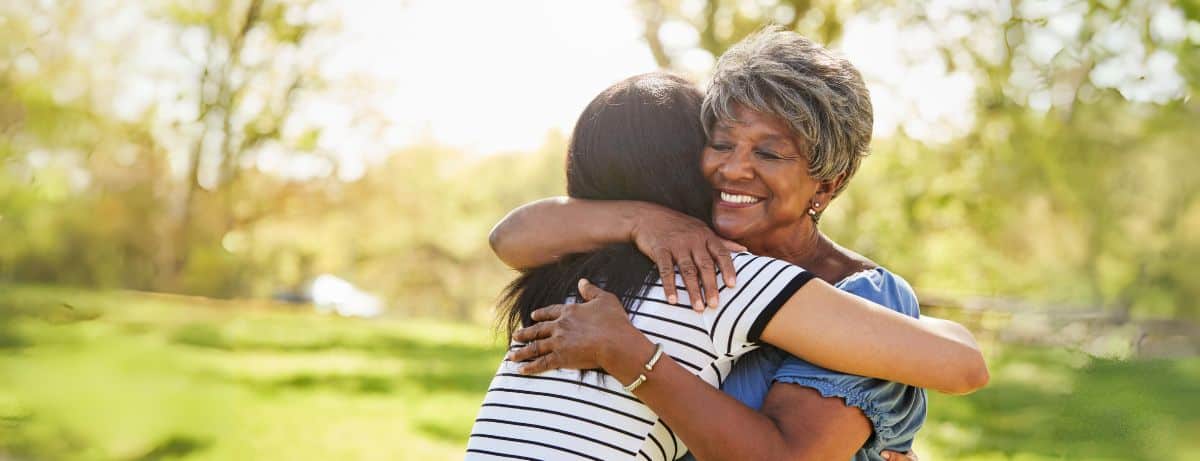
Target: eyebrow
{"x":794,"y":144}
{"x":721,"y":125}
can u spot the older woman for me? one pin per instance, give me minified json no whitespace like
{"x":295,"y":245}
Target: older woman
{"x":625,"y":147}
{"x":788,"y":123}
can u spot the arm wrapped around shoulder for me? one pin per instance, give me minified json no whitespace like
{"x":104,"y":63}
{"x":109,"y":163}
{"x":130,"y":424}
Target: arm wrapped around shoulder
{"x":847,"y":333}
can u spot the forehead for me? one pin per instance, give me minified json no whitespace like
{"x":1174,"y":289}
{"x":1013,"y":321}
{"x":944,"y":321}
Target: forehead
{"x":758,"y":126}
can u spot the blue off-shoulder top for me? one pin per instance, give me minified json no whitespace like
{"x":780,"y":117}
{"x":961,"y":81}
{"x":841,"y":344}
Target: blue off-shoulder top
{"x":896,"y":411}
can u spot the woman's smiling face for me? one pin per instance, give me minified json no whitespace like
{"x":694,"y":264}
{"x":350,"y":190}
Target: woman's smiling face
{"x":759,"y":172}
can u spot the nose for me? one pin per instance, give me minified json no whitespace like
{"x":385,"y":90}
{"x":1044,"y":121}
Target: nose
{"x":738,"y":165}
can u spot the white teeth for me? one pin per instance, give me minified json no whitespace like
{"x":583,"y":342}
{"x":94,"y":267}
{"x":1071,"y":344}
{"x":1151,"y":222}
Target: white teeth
{"x":734,"y":198}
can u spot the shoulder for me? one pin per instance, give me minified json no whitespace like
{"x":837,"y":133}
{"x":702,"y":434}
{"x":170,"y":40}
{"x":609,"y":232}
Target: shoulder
{"x":744,"y":259}
{"x":883,"y":287}
{"x":764,"y":285}
{"x":758,"y":272}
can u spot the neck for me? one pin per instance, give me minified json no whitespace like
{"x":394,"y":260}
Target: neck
{"x":801,"y":245}
{"x":807,"y":247}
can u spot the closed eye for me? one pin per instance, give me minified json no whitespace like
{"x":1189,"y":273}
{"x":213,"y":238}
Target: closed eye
{"x":721,"y":147}
{"x":766,"y":154}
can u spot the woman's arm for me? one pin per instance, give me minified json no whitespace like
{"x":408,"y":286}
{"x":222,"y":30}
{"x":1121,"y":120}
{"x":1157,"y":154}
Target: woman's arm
{"x":713,"y":425}
{"x":716,"y":427}
{"x":843,"y":332}
{"x":534,"y":234}
{"x":541,"y":232}
{"x":818,"y":323}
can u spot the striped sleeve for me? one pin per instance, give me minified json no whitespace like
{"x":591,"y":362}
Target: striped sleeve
{"x":763,"y":286}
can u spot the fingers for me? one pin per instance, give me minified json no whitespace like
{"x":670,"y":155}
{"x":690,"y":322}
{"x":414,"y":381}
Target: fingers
{"x":732,"y":245}
{"x":588,"y":290}
{"x":532,"y":349}
{"x":549,"y":361}
{"x":708,"y":277}
{"x":691,"y":282}
{"x":594,"y":295}
{"x":534,"y":332}
{"x":548,"y":313}
{"x":666,"y":271}
{"x":894,"y":456}
{"x":725,"y":263}
{"x":526,"y":352}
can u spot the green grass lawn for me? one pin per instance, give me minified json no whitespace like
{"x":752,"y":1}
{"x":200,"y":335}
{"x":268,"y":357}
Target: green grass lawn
{"x":127,"y":376}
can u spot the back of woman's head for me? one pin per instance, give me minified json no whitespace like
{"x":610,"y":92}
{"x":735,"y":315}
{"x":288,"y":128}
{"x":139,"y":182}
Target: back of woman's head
{"x":640,"y":139}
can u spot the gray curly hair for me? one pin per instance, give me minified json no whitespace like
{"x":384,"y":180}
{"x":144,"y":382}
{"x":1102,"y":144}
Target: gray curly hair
{"x":820,"y":94}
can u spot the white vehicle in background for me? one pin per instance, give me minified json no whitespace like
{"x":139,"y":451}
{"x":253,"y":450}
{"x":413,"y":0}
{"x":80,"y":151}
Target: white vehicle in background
{"x":331,"y":293}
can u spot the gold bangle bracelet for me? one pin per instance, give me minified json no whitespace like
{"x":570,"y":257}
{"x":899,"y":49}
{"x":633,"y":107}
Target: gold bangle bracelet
{"x":649,"y":366}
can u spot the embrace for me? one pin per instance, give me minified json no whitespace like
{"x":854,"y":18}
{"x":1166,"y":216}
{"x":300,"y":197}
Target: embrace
{"x":681,"y":301}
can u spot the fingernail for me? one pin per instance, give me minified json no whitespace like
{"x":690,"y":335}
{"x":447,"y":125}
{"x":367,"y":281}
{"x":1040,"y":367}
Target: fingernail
{"x":672,"y":299}
{"x":712,"y":303}
{"x":886,"y":455}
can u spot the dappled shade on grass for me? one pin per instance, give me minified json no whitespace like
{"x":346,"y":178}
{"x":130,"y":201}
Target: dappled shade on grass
{"x":149,"y":377}
{"x":1064,"y":405}
{"x":128,"y":376}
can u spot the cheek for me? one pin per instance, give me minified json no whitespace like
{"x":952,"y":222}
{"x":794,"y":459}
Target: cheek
{"x":792,"y":189}
{"x":708,"y":164}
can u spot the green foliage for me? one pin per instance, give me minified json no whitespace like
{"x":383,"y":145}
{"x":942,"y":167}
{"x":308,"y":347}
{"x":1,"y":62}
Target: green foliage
{"x":1089,"y":200}
{"x":719,"y":24}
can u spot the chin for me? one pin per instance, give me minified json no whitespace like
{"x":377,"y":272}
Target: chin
{"x":730,"y":230}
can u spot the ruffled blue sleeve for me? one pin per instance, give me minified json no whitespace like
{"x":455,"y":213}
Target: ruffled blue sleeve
{"x":896,"y":411}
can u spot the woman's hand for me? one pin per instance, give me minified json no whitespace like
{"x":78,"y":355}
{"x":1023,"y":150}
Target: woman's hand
{"x":533,"y":235}
{"x":594,"y":334}
{"x":673,"y":239}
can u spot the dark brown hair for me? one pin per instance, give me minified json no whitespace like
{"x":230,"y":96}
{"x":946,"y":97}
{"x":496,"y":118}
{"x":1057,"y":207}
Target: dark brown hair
{"x":640,"y":139}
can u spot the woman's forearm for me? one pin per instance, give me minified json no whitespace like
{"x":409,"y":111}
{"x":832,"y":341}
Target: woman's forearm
{"x":598,"y":334}
{"x":540,"y":232}
{"x":843,"y":332}
{"x":977,"y":374}
{"x":714,"y":425}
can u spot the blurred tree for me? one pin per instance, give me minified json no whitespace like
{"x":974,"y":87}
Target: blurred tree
{"x":715,"y":25}
{"x":150,"y":118}
{"x":163,"y":145}
{"x":1075,"y":182}
{"x":241,"y":104}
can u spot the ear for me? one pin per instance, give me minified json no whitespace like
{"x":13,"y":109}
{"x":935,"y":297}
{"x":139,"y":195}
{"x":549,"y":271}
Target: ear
{"x":827,"y":190}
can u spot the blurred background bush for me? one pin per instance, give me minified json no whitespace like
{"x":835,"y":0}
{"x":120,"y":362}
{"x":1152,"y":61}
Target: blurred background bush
{"x":1034,"y":174}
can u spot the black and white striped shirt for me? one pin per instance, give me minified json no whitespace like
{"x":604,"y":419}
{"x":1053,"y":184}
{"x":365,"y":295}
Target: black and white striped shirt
{"x":561,"y":414}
